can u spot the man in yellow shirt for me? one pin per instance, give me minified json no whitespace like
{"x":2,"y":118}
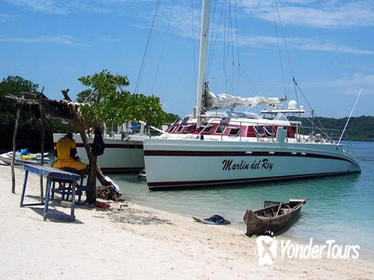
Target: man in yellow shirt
{"x":66,"y":155}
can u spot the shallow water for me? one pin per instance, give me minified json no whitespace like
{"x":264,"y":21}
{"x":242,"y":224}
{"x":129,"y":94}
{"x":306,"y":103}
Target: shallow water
{"x":339,"y":208}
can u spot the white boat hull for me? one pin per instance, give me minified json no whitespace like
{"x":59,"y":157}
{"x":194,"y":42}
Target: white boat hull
{"x":183,"y":163}
{"x":119,"y":155}
{"x":8,"y":157}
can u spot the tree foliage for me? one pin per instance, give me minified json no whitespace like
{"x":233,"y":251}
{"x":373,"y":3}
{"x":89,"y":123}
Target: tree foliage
{"x":359,"y":128}
{"x":29,"y":129}
{"x":108,"y":101}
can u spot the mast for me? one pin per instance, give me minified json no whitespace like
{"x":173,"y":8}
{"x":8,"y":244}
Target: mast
{"x":201,"y":78}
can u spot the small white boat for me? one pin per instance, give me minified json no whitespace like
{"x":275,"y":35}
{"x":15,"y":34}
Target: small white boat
{"x":123,"y":151}
{"x":22,"y":159}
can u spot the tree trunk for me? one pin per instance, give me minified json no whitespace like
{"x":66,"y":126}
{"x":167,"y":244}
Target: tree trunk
{"x":101,"y":177}
{"x":91,"y":181}
{"x":14,"y":148}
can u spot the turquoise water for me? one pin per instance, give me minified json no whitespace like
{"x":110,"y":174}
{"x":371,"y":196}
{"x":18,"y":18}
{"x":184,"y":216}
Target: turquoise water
{"x":339,"y":208}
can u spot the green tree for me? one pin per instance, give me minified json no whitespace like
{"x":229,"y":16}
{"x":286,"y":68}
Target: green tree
{"x":170,"y":118}
{"x":106,"y":100}
{"x":29,"y":128}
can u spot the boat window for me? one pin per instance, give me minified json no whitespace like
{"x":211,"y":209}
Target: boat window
{"x":220,"y":129}
{"x":234,"y":131}
{"x":207,"y":129}
{"x":175,"y":123}
{"x":280,"y":117}
{"x":173,"y":129}
{"x":189,"y":128}
{"x":269,"y":130}
{"x":180,"y":128}
{"x":185,"y":121}
{"x":259,"y":131}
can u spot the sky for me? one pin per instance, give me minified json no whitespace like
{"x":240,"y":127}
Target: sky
{"x":256,"y":47}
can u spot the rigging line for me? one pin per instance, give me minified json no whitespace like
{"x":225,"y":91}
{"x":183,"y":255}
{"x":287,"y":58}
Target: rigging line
{"x":227,"y":48}
{"x":162,"y":52}
{"x":213,"y":45}
{"x":306,"y":100}
{"x":146,"y":49}
{"x":224,"y":46}
{"x":237,"y":43}
{"x":302,"y":93}
{"x":246,"y":77}
{"x":279,"y":49}
{"x":232,"y":49}
{"x":193,"y":44}
{"x":285,"y":43}
{"x":350,"y":115}
{"x":319,"y":128}
{"x":284,"y":37}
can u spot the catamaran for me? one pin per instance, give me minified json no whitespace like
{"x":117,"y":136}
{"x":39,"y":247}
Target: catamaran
{"x":211,"y":147}
{"x":123,"y":151}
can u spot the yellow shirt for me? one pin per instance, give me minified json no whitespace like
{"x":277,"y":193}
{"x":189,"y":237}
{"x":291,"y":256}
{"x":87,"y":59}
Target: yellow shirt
{"x":64,"y":159}
{"x":63,"y":147}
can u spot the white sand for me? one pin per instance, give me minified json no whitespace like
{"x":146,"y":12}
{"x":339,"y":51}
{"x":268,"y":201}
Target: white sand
{"x":136,"y":243}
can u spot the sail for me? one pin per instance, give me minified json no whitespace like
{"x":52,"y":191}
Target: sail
{"x":214,"y":101}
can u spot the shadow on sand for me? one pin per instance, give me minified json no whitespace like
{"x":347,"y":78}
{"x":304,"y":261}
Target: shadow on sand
{"x":53,"y":214}
{"x":136,"y":217}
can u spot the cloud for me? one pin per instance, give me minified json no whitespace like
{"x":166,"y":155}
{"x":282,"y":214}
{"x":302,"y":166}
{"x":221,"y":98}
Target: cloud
{"x":301,"y":44}
{"x":357,"y":80}
{"x":313,"y":13}
{"x":65,"y":7}
{"x":108,"y":39}
{"x":186,"y":23}
{"x":183,"y":18}
{"x":57,"y":39}
{"x":46,"y":6}
{"x":348,"y":84}
{"x":5,"y":17}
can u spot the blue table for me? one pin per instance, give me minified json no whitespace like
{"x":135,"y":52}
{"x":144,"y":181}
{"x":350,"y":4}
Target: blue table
{"x":52,"y":174}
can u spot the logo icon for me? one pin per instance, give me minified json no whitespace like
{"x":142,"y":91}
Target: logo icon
{"x":266,"y":249}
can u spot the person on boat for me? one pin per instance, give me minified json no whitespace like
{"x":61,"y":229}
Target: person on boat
{"x":67,"y":157}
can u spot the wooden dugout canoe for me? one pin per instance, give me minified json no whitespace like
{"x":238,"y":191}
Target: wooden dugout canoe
{"x":275,"y":217}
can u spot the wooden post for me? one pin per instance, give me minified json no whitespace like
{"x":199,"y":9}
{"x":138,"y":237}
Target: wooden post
{"x":42,"y":142}
{"x":14,"y":148}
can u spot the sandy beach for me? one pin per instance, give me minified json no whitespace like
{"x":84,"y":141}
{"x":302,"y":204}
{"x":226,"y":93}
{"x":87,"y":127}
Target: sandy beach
{"x":130,"y":241}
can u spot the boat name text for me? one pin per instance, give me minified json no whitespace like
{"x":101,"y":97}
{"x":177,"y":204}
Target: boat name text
{"x":229,"y":165}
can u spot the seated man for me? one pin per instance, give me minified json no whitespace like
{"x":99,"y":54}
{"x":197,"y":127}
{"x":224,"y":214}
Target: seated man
{"x":66,"y":155}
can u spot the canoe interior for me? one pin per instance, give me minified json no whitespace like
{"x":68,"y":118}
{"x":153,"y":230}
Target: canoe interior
{"x":275,"y":208}
{"x":275,"y":217}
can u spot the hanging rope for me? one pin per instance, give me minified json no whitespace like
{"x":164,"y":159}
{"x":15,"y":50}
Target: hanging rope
{"x":193,"y":42}
{"x":162,"y":53}
{"x":138,"y":81}
{"x":212,"y":46}
{"x":237,"y":45}
{"x":276,"y":31}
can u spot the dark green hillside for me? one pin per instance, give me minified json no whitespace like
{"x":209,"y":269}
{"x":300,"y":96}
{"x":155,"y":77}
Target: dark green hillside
{"x":359,"y":128}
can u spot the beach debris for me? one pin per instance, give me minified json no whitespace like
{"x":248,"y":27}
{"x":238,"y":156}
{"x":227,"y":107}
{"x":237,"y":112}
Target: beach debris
{"x":109,"y":192}
{"x":123,"y":205}
{"x":100,"y":204}
{"x":213,"y":220}
{"x":65,"y":204}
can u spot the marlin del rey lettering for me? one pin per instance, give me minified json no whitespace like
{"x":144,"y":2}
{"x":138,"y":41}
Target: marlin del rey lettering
{"x":230,"y":165}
